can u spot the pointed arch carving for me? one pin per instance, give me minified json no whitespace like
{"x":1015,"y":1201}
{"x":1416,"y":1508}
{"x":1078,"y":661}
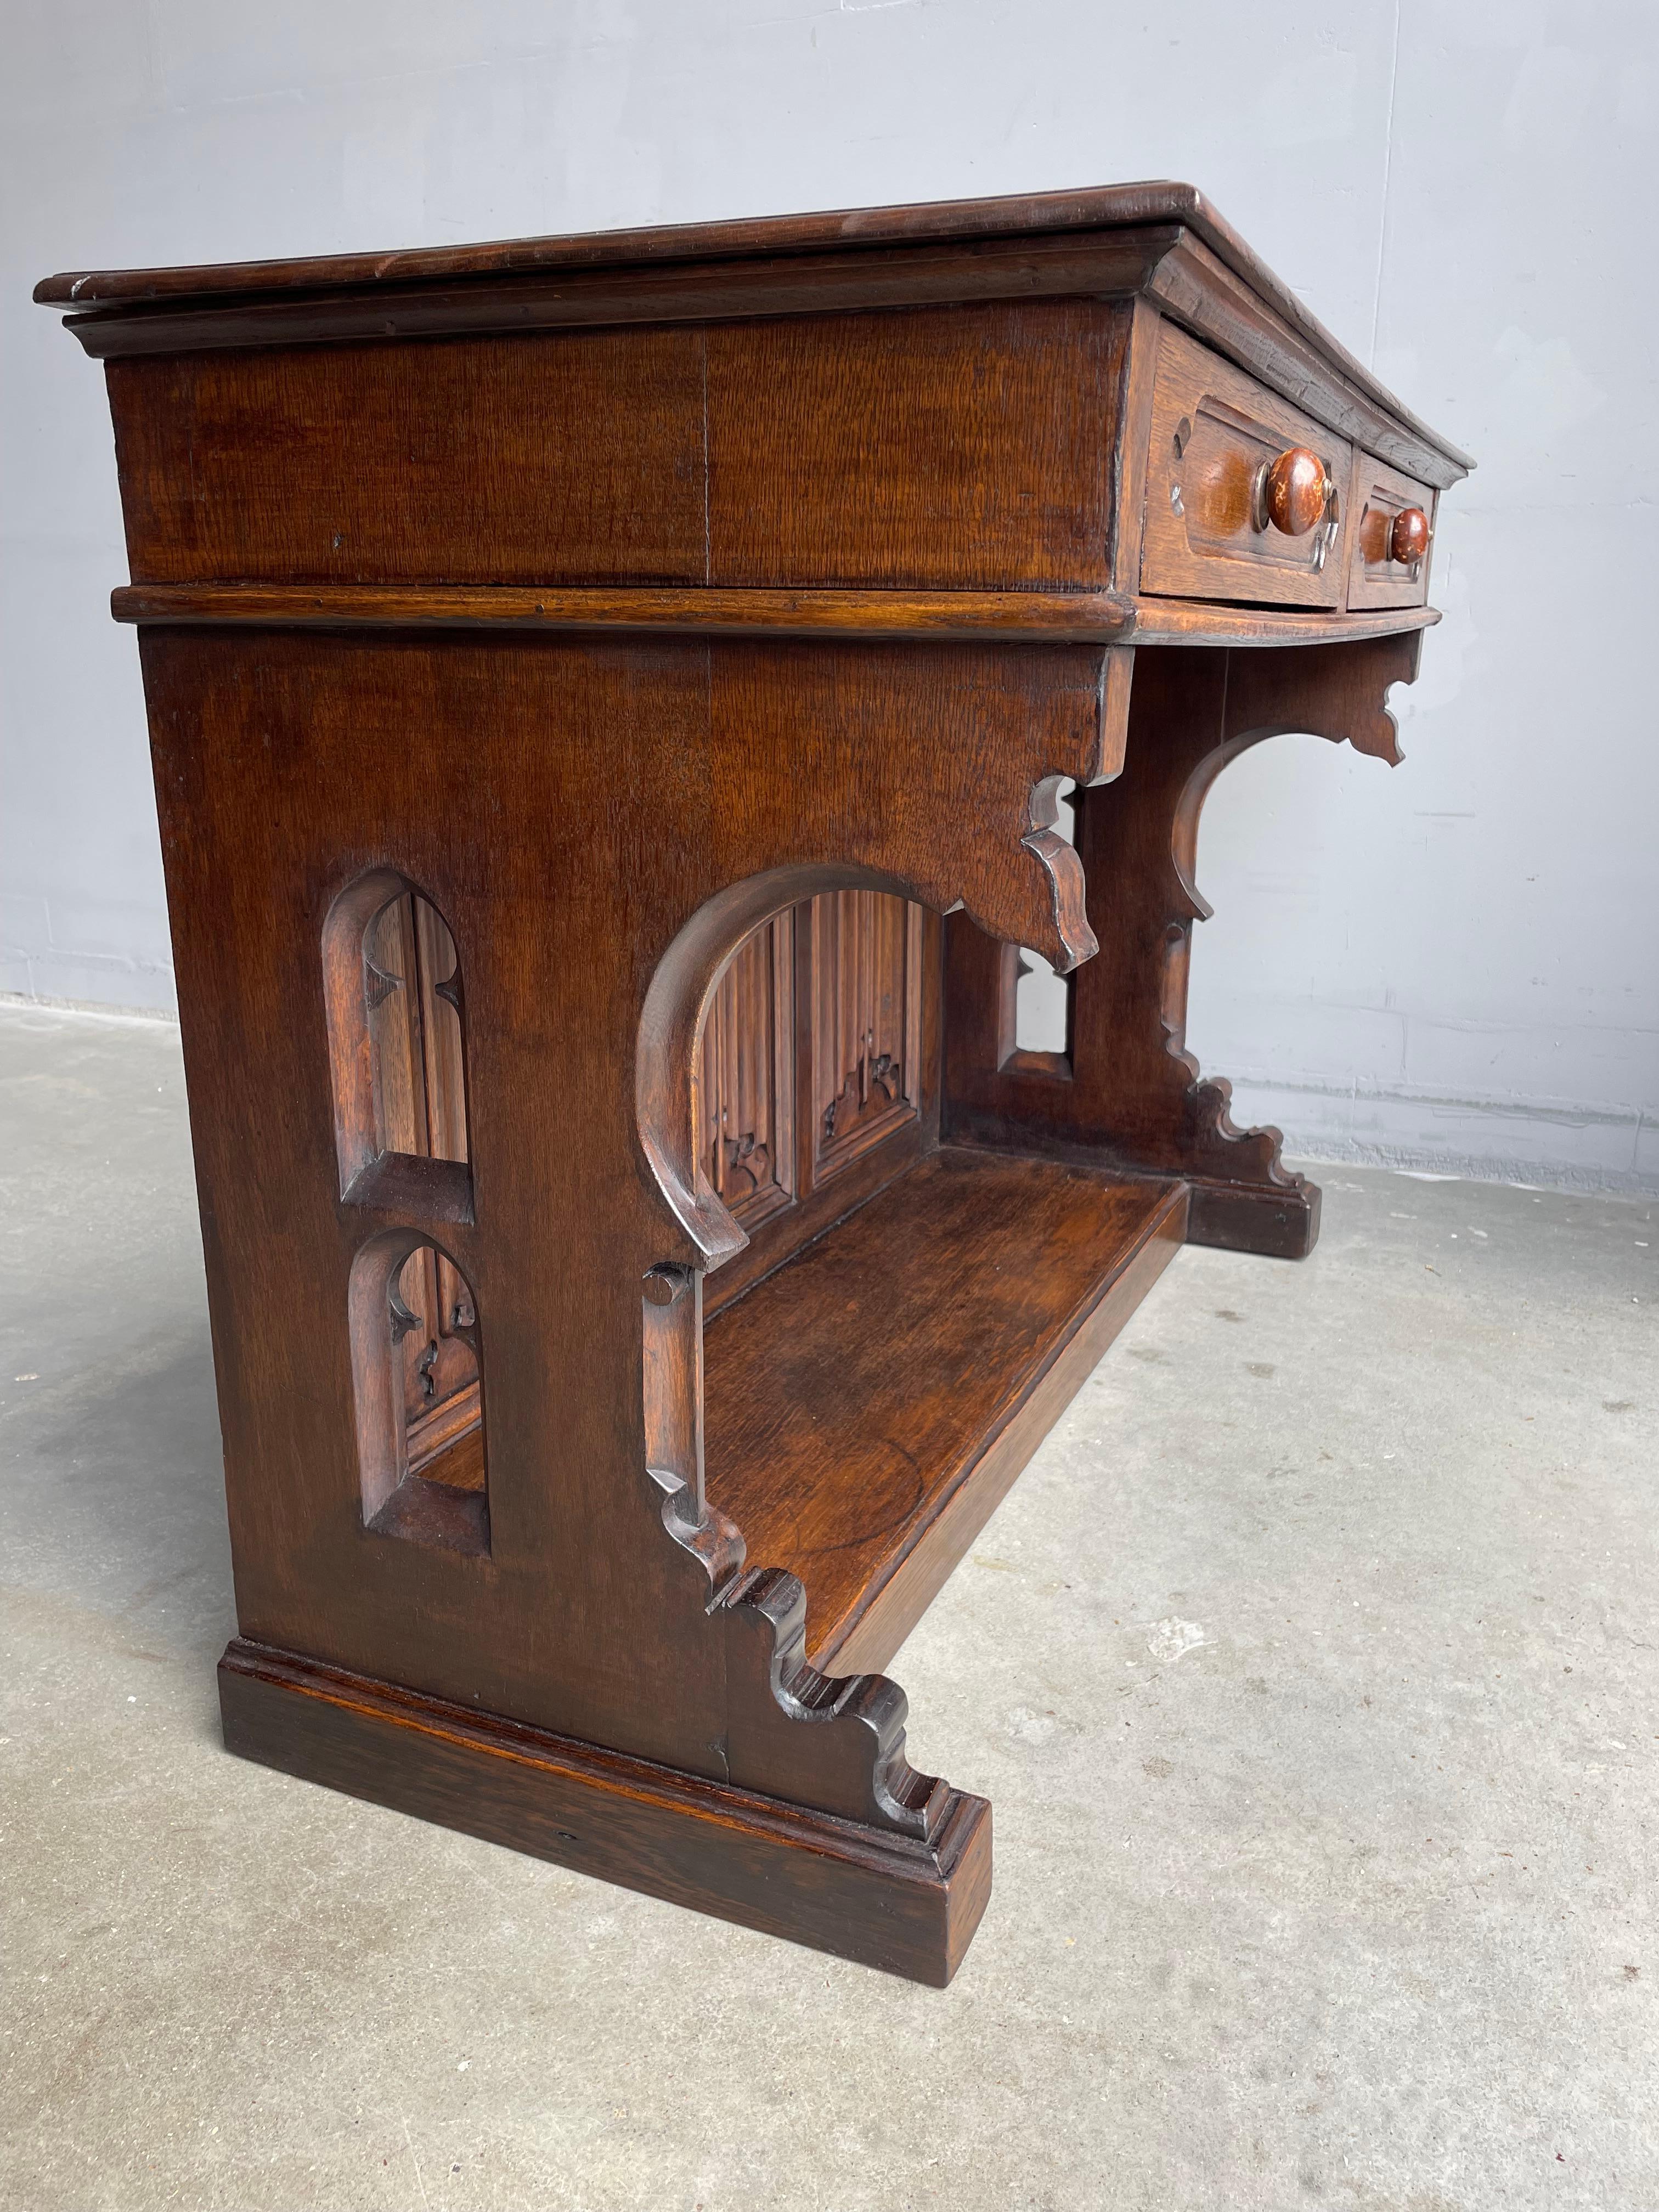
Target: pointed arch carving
{"x":671,"y":1028}
{"x":396,"y":1014}
{"x":418,"y":1480}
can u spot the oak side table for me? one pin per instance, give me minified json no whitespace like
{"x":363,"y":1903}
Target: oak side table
{"x":610,"y":698}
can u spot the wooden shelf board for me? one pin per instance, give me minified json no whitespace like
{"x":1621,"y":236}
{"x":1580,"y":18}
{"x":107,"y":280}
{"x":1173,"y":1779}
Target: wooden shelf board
{"x":870,"y":1404}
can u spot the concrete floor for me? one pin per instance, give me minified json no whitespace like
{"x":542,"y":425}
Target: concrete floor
{"x":1312,"y":1667}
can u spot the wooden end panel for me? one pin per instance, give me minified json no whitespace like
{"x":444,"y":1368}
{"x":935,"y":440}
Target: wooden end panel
{"x":940,"y":449}
{"x":1216,"y":435}
{"x":943,"y":448}
{"x":576,"y":460}
{"x":868,"y":1641}
{"x":889,"y":1901}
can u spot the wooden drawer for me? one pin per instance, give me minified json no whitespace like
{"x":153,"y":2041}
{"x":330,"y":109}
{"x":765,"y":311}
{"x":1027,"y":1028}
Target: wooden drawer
{"x":1214,"y":433}
{"x":1376,"y":577}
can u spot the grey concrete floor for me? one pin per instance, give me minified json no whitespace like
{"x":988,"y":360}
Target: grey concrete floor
{"x":1311,"y":1667}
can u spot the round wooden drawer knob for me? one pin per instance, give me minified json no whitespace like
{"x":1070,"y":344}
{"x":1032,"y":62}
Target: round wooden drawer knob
{"x":1294,"y":491}
{"x":1408,"y":536}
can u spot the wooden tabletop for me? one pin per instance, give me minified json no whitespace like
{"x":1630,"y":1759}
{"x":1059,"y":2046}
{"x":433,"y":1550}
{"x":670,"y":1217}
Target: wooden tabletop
{"x":1096,"y":209}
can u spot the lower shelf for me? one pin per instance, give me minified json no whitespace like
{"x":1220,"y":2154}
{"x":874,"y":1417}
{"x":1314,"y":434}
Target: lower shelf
{"x":869,"y":1406}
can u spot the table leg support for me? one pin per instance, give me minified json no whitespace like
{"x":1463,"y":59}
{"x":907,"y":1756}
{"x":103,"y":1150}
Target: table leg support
{"x":567,"y":1651}
{"x":1127,"y":1093}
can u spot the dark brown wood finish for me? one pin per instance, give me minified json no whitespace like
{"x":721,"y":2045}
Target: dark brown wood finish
{"x":830,"y":1070}
{"x":1130,"y":1094}
{"x":582,"y":674}
{"x":1235,"y":490}
{"x":1164,"y":237}
{"x":960,"y":1294}
{"x":1393,"y":533}
{"x":921,"y":450}
{"x":1061,"y":618}
{"x":908,"y":1905}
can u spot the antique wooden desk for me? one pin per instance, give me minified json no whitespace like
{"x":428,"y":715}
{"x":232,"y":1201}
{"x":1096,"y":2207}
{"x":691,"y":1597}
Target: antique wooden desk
{"x":609,"y":698}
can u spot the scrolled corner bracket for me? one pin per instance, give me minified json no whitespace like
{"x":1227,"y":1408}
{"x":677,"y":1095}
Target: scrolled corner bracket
{"x":1380,"y":737}
{"x":1261,"y":1145}
{"x":834,"y":1743}
{"x":1338,"y":692}
{"x":1067,"y":889}
{"x":715,"y":1542}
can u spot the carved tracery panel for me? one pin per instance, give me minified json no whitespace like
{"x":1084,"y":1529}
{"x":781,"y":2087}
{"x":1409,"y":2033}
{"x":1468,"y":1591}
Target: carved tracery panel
{"x":420,"y":1448}
{"x":411,"y":987}
{"x":411,"y":983}
{"x":867,"y":975}
{"x":747,"y":1091}
{"x":811,"y":1049}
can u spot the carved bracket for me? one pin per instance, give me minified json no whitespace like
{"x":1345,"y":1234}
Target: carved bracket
{"x":1135,"y":1096}
{"x":835,"y":1744}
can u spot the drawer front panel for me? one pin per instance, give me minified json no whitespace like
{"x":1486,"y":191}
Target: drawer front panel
{"x":1376,"y":578}
{"x":1215,"y":433}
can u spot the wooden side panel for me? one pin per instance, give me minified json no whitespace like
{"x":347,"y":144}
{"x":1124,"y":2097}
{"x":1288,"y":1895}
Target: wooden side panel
{"x":935,"y":448}
{"x":938,"y":448}
{"x":573,"y":458}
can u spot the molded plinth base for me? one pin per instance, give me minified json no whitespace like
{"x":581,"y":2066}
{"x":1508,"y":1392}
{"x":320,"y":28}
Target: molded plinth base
{"x":885,"y":1900}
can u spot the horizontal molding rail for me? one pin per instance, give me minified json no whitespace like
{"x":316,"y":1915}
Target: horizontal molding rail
{"x":1046,"y":617}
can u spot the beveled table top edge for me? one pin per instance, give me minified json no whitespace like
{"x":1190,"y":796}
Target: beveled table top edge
{"x":97,"y":294}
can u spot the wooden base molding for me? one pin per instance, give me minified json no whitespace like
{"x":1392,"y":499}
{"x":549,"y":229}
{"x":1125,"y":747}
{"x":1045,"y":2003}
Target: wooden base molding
{"x":901,"y":1903}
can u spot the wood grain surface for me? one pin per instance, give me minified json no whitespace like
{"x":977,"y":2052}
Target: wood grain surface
{"x":907,"y":1906}
{"x":1027,"y":219}
{"x":1057,"y":617}
{"x":609,"y":703}
{"x":913,"y":1335}
{"x":1215,"y":433}
{"x":1131,"y":1094}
